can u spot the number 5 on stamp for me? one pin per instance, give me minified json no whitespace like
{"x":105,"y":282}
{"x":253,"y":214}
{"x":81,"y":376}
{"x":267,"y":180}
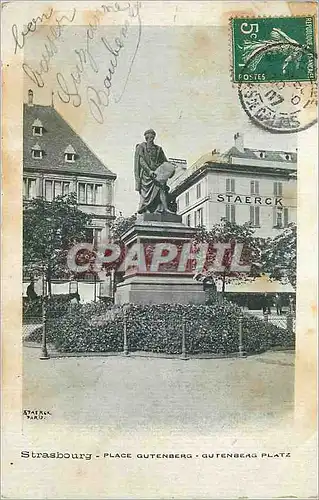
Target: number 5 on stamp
{"x":273,"y":49}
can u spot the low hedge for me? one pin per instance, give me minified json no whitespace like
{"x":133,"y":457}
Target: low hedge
{"x":158,"y":328}
{"x":57,"y":306}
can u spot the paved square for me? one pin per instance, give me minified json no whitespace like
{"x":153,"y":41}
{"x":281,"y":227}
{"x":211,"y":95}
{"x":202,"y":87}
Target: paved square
{"x":199,"y":395}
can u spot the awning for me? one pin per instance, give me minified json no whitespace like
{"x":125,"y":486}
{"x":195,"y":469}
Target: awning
{"x":258,"y":285}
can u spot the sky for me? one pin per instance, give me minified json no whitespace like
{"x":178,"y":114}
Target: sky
{"x":174,"y":79}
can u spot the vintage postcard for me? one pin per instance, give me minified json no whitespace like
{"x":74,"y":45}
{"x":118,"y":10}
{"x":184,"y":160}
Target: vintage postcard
{"x":159,"y":249}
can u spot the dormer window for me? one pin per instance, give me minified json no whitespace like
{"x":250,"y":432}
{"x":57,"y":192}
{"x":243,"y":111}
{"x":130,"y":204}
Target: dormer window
{"x":262,"y":154}
{"x":37,"y":128}
{"x":37,"y":152}
{"x":69,"y":154}
{"x":288,"y":156}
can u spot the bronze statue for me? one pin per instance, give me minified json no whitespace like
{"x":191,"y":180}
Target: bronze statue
{"x":152,"y":171}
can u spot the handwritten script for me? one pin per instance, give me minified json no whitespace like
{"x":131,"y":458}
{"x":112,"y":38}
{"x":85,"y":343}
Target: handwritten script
{"x":71,"y":86}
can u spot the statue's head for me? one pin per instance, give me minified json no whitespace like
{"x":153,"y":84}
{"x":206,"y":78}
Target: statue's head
{"x":150,"y":135}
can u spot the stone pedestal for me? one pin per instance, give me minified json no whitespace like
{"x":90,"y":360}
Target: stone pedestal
{"x":148,"y":282}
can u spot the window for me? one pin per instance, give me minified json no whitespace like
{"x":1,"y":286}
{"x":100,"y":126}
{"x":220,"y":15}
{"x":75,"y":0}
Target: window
{"x":188,"y":220}
{"x":230,"y":213}
{"x":37,"y":154}
{"x":254,"y":187}
{"x":98,"y":194}
{"x":48,"y":190}
{"x":82,"y":198}
{"x":69,"y":154}
{"x":37,"y":127}
{"x":52,"y":189}
{"x":255,"y":216}
{"x":37,"y":130}
{"x":288,"y":156}
{"x":90,"y":194}
{"x":57,"y":189}
{"x":286,"y":217}
{"x":230,"y":185}
{"x":89,"y":235}
{"x":186,"y":199}
{"x":278,"y":188}
{"x":66,"y":188}
{"x":280,"y":217}
{"x":262,"y":154}
{"x":29,"y":188}
{"x":199,"y":217}
{"x":198,"y":190}
{"x":93,"y":235}
{"x":70,"y":157}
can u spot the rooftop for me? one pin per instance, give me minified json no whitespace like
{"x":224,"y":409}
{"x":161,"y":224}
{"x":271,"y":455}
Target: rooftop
{"x":57,"y":136}
{"x":258,"y":160}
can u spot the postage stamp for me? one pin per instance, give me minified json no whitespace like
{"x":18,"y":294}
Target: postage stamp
{"x":273,"y":49}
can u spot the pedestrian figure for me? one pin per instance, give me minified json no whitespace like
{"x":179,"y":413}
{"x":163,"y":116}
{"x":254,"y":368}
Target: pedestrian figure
{"x":291,"y":304}
{"x":74,"y":300}
{"x":266,"y":304}
{"x":31,"y":293}
{"x":278,"y":303}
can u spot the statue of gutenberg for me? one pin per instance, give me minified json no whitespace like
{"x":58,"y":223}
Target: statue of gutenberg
{"x":152,"y":171}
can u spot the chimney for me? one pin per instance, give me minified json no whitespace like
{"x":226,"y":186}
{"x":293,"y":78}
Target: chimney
{"x":30,"y":97}
{"x":239,"y":142}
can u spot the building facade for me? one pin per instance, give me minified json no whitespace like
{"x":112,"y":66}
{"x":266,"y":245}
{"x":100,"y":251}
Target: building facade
{"x":56,"y":161}
{"x":241,"y":185}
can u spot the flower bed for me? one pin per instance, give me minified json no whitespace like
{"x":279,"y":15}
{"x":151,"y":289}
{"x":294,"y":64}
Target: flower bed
{"x":158,"y":328}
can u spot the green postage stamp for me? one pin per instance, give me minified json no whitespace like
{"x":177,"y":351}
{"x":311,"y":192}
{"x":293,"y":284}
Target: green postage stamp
{"x":273,"y":49}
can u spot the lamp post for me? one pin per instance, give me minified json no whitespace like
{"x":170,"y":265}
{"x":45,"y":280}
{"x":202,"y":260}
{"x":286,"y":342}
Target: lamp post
{"x":44,"y":350}
{"x":184,"y":351}
{"x":126,"y":308}
{"x":240,"y":335}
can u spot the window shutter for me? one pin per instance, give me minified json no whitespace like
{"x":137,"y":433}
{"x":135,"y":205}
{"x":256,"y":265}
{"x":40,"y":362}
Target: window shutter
{"x":275,"y":189}
{"x":233,"y":213}
{"x":279,"y":189}
{"x":257,"y":188}
{"x":201,"y":216}
{"x":286,"y":219}
{"x":257,"y":218}
{"x":252,"y":215}
{"x":232,"y":185}
{"x":227,"y":185}
{"x":252,"y":188}
{"x":274,"y":216}
{"x":227,"y":212}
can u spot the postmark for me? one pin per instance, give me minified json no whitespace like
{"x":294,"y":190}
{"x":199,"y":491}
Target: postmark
{"x":273,"y":49}
{"x":281,"y":107}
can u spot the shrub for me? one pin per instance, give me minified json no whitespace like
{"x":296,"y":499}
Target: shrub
{"x":56,"y":307}
{"x":158,"y":328}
